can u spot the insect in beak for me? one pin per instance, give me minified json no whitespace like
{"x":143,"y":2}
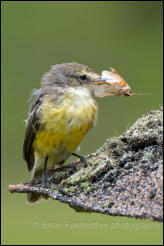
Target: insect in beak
{"x":111,"y":83}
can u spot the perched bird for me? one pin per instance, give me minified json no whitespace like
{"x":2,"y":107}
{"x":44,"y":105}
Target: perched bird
{"x":62,"y":112}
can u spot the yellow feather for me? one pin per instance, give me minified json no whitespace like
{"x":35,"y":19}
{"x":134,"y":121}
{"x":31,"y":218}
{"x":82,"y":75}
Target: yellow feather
{"x":64,"y":125}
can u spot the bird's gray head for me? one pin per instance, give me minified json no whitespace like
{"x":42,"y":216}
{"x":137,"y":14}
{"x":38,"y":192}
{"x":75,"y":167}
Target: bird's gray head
{"x":69,"y":75}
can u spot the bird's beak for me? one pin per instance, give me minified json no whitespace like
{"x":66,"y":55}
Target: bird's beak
{"x":100,"y":81}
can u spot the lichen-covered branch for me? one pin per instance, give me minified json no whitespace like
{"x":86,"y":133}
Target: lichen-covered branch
{"x":124,"y":177}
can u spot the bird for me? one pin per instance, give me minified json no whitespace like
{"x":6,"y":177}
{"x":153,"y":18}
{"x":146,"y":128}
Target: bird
{"x":61,"y":113}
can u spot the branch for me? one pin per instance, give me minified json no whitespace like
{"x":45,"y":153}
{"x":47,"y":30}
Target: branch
{"x":123,"y":177}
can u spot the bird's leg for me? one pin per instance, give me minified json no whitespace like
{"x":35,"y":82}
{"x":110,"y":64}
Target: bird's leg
{"x":44,"y":175}
{"x":82,"y":158}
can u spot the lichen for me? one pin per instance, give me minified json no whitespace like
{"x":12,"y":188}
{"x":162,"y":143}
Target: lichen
{"x":121,"y":177}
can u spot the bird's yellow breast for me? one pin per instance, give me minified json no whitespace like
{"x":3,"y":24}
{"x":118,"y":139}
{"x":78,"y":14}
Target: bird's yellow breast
{"x":63,"y":125}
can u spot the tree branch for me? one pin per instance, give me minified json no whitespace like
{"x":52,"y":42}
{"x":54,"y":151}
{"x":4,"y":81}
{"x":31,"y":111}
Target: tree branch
{"x":123,"y":177}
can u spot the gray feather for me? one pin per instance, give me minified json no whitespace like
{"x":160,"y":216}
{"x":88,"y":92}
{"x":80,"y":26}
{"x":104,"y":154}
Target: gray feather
{"x":31,"y":130}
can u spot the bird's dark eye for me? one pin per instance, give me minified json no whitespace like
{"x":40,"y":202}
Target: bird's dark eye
{"x":83,"y":77}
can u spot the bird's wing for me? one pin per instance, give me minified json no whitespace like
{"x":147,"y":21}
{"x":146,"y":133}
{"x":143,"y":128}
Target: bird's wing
{"x":31,"y":130}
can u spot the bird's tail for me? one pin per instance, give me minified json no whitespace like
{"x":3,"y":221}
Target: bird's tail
{"x":36,"y":197}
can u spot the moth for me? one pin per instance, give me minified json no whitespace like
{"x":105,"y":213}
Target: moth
{"x":114,"y":85}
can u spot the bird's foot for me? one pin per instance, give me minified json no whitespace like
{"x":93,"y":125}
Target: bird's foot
{"x":83,"y":159}
{"x":44,"y":181}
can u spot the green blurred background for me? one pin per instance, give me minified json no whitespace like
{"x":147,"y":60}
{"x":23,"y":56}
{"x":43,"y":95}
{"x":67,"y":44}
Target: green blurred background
{"x":124,"y":35}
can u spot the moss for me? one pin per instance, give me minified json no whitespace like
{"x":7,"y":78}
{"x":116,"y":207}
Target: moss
{"x":86,"y":187}
{"x":80,"y":176}
{"x":121,"y":177}
{"x":128,"y":165}
{"x":72,"y":189}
